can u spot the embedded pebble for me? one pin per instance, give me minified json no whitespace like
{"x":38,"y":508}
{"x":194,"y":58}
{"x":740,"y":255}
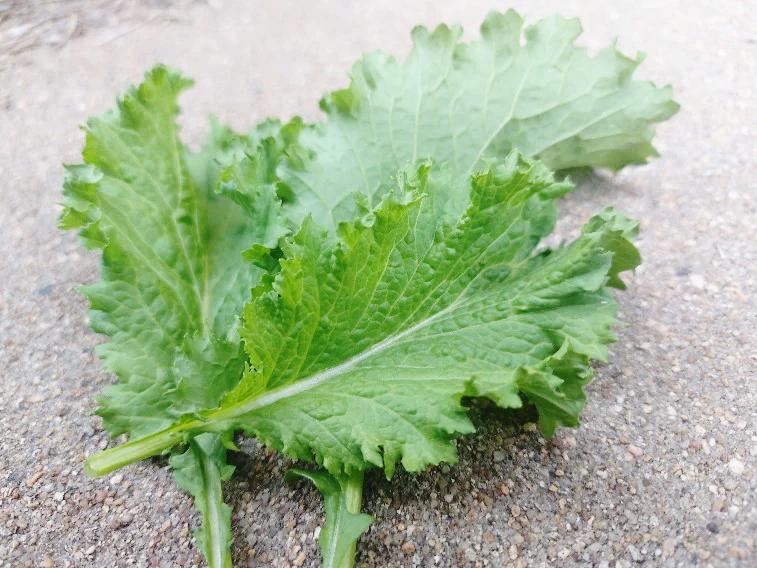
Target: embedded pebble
{"x":635,"y":451}
{"x":408,"y":547}
{"x":736,"y":466}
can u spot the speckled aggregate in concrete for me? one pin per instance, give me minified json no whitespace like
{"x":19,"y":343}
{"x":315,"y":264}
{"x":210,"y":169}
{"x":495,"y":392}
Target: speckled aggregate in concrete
{"x":660,"y":474}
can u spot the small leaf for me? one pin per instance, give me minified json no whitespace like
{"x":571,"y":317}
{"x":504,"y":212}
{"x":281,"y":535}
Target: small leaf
{"x":173,"y":278}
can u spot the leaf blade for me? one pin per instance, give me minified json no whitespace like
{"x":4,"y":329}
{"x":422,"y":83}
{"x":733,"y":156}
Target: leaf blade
{"x":173,"y":279}
{"x":356,"y":385}
{"x":173,"y":282}
{"x":465,"y":103}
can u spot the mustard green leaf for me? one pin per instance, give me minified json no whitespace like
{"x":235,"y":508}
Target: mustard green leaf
{"x":362,"y":346}
{"x":531,"y":89}
{"x":173,"y":279}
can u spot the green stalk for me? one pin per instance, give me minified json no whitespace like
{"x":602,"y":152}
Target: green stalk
{"x":344,"y":523}
{"x":133,"y":451}
{"x":201,"y":471}
{"x":353,"y":501}
{"x":216,"y":514}
{"x":216,"y":420}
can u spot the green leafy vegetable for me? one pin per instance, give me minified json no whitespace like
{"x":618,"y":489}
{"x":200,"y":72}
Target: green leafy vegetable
{"x":363,"y":345}
{"x":460,"y":104}
{"x":172,"y":282}
{"x":385,"y":262}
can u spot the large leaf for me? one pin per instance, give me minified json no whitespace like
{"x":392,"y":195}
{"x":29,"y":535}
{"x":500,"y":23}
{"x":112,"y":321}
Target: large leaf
{"x":363,"y":345}
{"x":460,"y":104}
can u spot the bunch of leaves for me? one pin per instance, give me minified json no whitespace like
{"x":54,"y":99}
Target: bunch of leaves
{"x":336,"y":289}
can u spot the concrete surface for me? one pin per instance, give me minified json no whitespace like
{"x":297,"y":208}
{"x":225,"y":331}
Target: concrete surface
{"x":662,"y":471}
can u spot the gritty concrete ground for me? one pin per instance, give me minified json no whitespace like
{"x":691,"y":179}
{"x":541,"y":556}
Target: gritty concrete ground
{"x":662,"y":473}
{"x":29,"y":24}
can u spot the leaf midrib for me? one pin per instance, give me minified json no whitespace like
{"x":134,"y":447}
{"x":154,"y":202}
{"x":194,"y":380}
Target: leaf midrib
{"x":293,"y":389}
{"x":202,"y":294}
